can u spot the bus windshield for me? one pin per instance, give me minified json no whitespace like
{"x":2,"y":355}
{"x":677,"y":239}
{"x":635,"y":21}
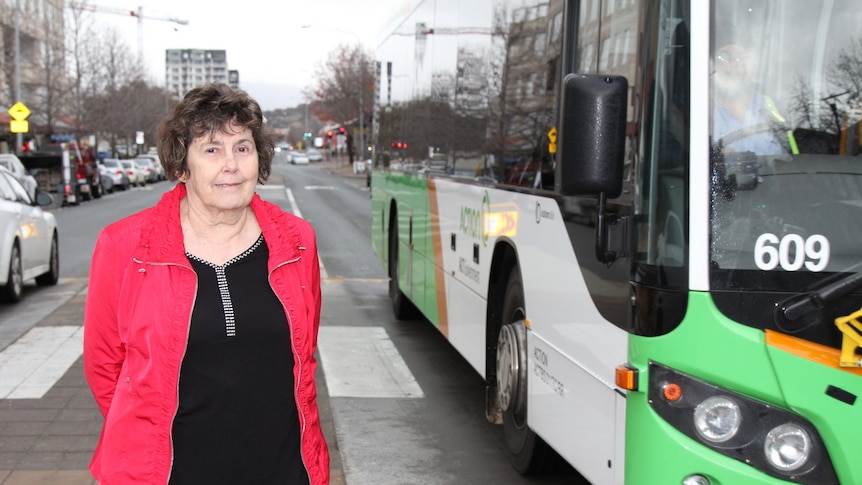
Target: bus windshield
{"x":785,"y":148}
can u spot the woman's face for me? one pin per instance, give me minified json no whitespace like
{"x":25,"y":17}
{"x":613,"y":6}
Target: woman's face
{"x":222,"y":169}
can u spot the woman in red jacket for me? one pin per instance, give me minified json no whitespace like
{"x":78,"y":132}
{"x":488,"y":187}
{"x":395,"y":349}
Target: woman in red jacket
{"x":202,"y":317}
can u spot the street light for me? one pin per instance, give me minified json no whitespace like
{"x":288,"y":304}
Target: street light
{"x":361,"y":86}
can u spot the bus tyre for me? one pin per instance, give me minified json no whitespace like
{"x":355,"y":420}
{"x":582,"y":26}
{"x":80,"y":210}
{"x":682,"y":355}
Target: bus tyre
{"x":529,"y":454}
{"x":402,"y":307}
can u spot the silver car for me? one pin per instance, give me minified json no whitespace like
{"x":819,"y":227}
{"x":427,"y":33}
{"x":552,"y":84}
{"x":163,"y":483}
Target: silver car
{"x":112,"y":168}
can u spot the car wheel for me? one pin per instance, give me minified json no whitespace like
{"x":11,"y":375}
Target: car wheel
{"x":13,"y":289}
{"x":53,"y":275}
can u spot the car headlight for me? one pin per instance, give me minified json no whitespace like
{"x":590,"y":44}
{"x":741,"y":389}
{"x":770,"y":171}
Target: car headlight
{"x":770,"y":439}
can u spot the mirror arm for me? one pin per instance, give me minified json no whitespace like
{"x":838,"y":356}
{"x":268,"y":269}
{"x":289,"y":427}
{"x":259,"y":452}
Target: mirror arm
{"x":611,"y":234}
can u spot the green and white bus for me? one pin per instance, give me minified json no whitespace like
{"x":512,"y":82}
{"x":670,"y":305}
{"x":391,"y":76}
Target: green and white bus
{"x":640,"y":222}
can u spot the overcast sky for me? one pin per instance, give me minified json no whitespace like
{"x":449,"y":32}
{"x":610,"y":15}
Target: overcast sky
{"x":264,"y":39}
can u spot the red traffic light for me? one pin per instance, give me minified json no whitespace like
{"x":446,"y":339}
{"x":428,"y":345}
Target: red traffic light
{"x":341,"y":130}
{"x":329,"y":134}
{"x":398,"y":144}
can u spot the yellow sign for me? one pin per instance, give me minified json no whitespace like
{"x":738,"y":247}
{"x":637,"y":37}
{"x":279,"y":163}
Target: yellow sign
{"x":552,"y":140}
{"x":19,"y":112}
{"x":19,"y":126}
{"x":552,"y":135}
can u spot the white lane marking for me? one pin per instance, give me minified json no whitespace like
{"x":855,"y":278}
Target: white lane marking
{"x":363,"y":362}
{"x":319,"y":187}
{"x":293,"y":207}
{"x":30,"y":366}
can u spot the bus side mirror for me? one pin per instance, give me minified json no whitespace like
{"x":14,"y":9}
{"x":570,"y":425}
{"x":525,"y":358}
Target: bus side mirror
{"x":592,"y":135}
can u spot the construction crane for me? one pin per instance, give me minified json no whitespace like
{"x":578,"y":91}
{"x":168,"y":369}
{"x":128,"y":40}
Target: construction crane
{"x":139,"y":14}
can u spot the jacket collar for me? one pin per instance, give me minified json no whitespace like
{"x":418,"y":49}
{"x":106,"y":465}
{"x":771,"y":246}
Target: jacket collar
{"x":162,"y":235}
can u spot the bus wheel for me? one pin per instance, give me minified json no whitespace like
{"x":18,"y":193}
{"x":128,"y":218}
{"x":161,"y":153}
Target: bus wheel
{"x":528,"y":452}
{"x":402,"y":307}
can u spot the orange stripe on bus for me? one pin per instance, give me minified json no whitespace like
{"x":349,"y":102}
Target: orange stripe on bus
{"x":820,"y":354}
{"x":439,"y":276}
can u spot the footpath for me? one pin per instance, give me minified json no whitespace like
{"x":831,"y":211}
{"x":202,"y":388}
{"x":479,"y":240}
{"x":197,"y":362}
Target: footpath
{"x":50,"y":440}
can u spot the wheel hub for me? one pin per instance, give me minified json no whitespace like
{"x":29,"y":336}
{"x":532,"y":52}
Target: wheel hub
{"x":512,"y":368}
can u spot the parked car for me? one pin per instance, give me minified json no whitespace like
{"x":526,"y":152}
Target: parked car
{"x":147,"y":166}
{"x":297,"y":158}
{"x":314,"y":155}
{"x":106,"y":180}
{"x":157,"y":165}
{"x":136,"y":176}
{"x":114,"y":169}
{"x":12,"y":163}
{"x":28,"y":239}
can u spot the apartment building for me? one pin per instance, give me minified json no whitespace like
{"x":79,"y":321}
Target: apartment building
{"x":188,"y":68}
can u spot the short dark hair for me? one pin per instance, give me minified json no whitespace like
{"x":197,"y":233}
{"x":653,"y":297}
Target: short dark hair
{"x":204,"y":110}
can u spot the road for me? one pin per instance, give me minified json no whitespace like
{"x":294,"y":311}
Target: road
{"x":399,"y":405}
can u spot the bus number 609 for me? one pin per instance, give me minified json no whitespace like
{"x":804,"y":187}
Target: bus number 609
{"x":791,"y":252}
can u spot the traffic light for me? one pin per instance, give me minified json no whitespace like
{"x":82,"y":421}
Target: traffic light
{"x":329,"y":134}
{"x":399,"y":144}
{"x":307,"y":134}
{"x":341,"y":130}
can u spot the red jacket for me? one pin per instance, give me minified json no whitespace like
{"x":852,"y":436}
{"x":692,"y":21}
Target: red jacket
{"x":138,"y":311}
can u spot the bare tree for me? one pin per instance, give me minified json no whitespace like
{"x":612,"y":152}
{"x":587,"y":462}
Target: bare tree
{"x":343,"y":89}
{"x":51,"y":101}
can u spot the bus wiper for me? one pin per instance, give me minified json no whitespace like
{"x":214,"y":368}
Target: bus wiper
{"x":795,"y":308}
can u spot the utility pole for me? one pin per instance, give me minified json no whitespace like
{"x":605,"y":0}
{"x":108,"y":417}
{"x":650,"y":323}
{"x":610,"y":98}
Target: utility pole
{"x":19,"y":138}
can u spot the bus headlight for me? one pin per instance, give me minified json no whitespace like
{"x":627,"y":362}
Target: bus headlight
{"x":760,"y":435}
{"x":787,"y":447}
{"x":717,"y":419}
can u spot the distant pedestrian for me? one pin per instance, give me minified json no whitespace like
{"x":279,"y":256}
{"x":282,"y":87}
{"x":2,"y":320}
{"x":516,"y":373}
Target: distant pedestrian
{"x":202,"y":317}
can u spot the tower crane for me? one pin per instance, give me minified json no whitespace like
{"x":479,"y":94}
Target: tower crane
{"x":139,"y":14}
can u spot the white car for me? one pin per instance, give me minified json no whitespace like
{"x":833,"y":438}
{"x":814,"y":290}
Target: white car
{"x":112,"y":168}
{"x":148,"y":166}
{"x":28,"y":239}
{"x":298,"y":158}
{"x":12,"y":163}
{"x":314,"y":155}
{"x":135,"y":174}
{"x":157,"y":165}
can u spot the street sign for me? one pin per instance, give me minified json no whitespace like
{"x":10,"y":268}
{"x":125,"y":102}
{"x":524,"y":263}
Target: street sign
{"x":19,"y":112}
{"x":19,"y":126}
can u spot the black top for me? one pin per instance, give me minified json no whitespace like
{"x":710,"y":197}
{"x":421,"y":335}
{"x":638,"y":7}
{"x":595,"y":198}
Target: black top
{"x":237,"y":421}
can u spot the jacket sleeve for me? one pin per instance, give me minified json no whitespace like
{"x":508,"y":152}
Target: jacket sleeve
{"x":104,"y":351}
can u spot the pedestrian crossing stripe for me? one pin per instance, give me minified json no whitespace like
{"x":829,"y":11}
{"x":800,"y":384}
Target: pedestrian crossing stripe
{"x":35,"y":362}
